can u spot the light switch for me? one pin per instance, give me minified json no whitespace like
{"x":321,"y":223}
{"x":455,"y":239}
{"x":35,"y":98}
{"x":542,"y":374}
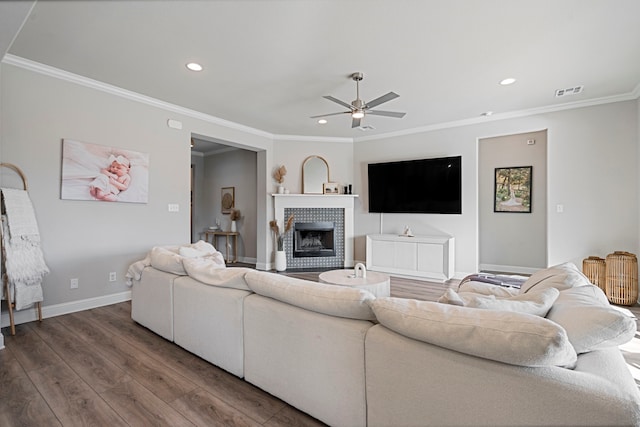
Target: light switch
{"x":560,"y":208}
{"x":174,"y":207}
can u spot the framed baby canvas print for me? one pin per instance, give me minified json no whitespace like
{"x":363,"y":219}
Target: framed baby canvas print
{"x":103,"y":173}
{"x":512,"y":189}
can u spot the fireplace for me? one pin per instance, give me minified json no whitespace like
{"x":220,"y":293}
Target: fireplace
{"x":314,"y":239}
{"x":334,"y":208}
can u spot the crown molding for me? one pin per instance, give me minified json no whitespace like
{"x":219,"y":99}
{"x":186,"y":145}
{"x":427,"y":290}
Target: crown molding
{"x":127,"y":94}
{"x":635,"y":94}
{"x":300,"y":138}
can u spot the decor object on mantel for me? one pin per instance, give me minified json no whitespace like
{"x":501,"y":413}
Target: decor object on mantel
{"x":280,"y":256}
{"x":279,"y":175}
{"x":234,"y":216}
{"x":315,"y":172}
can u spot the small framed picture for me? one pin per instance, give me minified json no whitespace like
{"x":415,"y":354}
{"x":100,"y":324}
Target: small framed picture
{"x":227,"y":199}
{"x":512,"y":190}
{"x":330,"y":188}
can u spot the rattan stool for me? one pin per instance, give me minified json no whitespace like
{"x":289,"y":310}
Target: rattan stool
{"x":622,"y":278}
{"x":595,"y":269}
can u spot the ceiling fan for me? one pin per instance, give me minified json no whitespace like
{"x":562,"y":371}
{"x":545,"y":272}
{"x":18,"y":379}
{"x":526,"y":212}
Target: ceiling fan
{"x":358,"y":108}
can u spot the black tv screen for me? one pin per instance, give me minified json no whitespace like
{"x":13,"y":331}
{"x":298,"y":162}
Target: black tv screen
{"x":416,"y":186}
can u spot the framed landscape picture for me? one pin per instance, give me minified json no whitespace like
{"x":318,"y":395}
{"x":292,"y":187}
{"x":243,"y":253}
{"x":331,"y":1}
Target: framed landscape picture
{"x":512,"y":189}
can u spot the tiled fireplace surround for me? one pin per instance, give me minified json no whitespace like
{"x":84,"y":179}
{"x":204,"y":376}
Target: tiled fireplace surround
{"x":336,"y":208}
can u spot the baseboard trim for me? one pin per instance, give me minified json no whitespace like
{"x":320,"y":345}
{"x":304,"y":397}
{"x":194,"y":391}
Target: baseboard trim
{"x":30,"y":314}
{"x":509,"y":268}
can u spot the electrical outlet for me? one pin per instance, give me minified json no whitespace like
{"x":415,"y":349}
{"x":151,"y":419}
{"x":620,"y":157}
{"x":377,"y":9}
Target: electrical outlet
{"x":112,"y":276}
{"x":73,"y":283}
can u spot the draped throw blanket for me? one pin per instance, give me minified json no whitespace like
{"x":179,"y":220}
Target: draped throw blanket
{"x":24,"y":262}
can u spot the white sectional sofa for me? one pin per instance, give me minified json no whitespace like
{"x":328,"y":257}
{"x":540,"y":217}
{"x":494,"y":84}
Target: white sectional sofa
{"x":349,"y":359}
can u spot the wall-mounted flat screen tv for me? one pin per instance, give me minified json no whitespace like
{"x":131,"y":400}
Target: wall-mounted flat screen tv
{"x":416,"y":186}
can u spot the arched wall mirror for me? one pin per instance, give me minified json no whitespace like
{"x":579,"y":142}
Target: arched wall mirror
{"x":315,"y":172}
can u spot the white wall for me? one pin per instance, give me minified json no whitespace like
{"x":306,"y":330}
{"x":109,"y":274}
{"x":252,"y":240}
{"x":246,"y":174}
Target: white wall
{"x":592,"y":171}
{"x":87,"y":239}
{"x":513,"y":242}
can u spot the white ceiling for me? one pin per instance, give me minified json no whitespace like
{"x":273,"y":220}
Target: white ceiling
{"x":267,"y":63}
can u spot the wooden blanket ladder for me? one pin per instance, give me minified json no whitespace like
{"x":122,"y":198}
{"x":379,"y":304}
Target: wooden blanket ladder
{"x":5,"y":280}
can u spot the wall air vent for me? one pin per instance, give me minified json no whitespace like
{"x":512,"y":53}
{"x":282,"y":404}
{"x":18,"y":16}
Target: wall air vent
{"x":365,"y":128}
{"x":569,"y":91}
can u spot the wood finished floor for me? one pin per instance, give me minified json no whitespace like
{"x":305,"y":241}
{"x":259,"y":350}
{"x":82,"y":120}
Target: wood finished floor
{"x":99,"y":368}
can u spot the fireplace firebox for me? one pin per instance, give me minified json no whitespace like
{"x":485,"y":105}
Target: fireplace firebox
{"x":313,"y":239}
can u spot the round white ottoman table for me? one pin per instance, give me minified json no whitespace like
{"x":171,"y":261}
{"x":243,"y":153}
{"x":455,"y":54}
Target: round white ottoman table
{"x":376,"y":283}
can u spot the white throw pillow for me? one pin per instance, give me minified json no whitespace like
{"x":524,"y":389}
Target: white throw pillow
{"x":488,"y":289}
{"x":536,"y":303}
{"x":514,"y":338}
{"x":167,"y":259}
{"x":451,"y":297}
{"x":211,"y":271}
{"x":591,"y":323}
{"x":322,"y":298}
{"x":561,"y":276}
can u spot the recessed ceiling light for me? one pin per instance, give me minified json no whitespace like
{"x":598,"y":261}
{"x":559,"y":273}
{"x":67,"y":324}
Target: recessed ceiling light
{"x":194,"y":66}
{"x":508,"y":81}
{"x":322,"y":121}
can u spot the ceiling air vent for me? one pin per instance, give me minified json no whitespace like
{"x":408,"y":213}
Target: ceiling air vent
{"x":365,"y":128}
{"x":569,"y":91}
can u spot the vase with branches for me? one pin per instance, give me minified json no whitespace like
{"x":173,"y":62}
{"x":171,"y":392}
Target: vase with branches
{"x":234,"y":215}
{"x":279,"y":235}
{"x":279,"y":175}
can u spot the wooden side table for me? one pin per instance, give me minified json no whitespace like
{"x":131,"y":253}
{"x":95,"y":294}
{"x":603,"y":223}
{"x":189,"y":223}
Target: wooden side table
{"x":227,"y":234}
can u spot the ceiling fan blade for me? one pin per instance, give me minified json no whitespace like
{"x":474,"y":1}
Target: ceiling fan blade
{"x":355,"y":123}
{"x":337,"y":101}
{"x":330,"y":114}
{"x":382,"y":99}
{"x":387,"y":113}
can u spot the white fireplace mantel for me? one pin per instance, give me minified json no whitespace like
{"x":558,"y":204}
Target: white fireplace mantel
{"x":341,"y":201}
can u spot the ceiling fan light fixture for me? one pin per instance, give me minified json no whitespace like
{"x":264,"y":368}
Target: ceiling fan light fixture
{"x":357,"y":114}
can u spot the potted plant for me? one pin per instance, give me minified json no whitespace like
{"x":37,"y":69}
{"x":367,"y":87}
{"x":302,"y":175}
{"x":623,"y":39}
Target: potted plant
{"x":281,"y":257}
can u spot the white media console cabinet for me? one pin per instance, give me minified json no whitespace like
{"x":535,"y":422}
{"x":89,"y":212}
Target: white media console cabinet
{"x":427,"y":257}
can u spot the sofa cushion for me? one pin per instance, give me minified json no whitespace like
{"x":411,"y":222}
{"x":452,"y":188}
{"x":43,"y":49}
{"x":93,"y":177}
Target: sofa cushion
{"x":561,"y":276}
{"x":322,"y":298}
{"x":514,"y":338}
{"x":591,"y":323}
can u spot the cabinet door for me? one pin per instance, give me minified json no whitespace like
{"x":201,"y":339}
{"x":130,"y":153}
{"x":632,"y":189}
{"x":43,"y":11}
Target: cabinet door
{"x":430,"y":258}
{"x":382,"y":253}
{"x":405,"y":256}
